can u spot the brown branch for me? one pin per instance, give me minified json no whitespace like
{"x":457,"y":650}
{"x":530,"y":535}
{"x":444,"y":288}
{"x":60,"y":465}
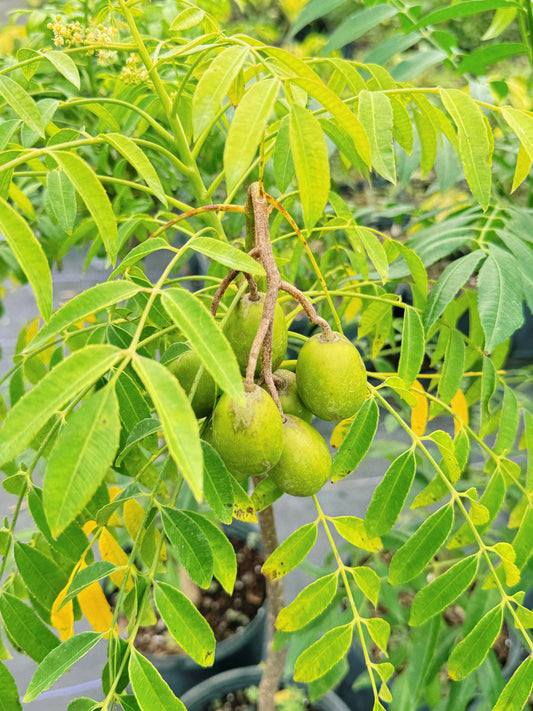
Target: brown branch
{"x":263,"y":337}
{"x":307,"y":307}
{"x":219,"y":293}
{"x":197,"y":211}
{"x":275,"y":661}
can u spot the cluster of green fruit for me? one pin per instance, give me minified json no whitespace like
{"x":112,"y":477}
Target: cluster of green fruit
{"x":254,"y":439}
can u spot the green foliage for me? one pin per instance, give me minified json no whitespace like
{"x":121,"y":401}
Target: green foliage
{"x":400,"y":207}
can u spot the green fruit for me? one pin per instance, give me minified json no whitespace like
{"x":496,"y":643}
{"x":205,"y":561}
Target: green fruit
{"x":331,"y":377}
{"x":248,"y":437}
{"x":242,"y":325}
{"x":305,"y":463}
{"x":185,"y":369}
{"x":288,"y":395}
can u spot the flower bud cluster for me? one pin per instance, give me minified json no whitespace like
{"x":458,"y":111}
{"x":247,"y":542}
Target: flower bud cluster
{"x":73,"y":33}
{"x":132,"y":73}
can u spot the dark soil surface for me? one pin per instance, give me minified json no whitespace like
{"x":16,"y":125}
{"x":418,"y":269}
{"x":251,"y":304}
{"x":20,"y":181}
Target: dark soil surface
{"x":226,"y":614}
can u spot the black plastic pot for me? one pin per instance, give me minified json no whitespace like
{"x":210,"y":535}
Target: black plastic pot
{"x":244,"y":648}
{"x":199,"y":698}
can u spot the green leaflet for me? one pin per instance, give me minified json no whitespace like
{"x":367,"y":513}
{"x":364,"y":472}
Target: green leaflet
{"x":66,"y":380}
{"x":9,"y":695}
{"x":218,"y":489}
{"x":379,"y":630}
{"x":312,"y":11}
{"x":62,"y":197}
{"x":472,"y":650}
{"x":339,"y":110}
{"x":488,"y":384}
{"x":522,"y":124}
{"x":390,"y":494}
{"x":265,"y":493}
{"x":29,"y":254}
{"x":308,"y":604}
{"x":375,"y":113}
{"x":214,"y":85}
{"x":58,"y":661}
{"x":475,"y":142}
{"x":81,"y":458}
{"x":499,"y":296}
{"x":427,"y":137}
{"x":84,"y":703}
{"x":479,"y":59}
{"x":321,"y":656}
{"x":517,"y":690}
{"x":226,"y":254}
{"x":311,"y":162}
{"x":178,"y":421}
{"x":86,"y":576}
{"x":353,"y":529}
{"x":454,"y":366}
{"x":464,"y":9}
{"x":357,"y":24}
{"x":224,"y":558}
{"x":65,"y":65}
{"x":247,"y":129}
{"x":190,"y":17}
{"x":151,"y":691}
{"x":508,"y":422}
{"x":282,"y":162}
{"x":185,"y":623}
{"x":449,"y":283}
{"x":22,"y":104}
{"x":419,"y":549}
{"x":368,"y":581}
{"x":144,"y":430}
{"x":206,"y":338}
{"x":375,"y":250}
{"x":93,"y":195}
{"x":154,"y":244}
{"x":42,"y":575}
{"x":132,"y":153}
{"x":523,"y":255}
{"x":413,"y":347}
{"x":190,"y":545}
{"x":442,"y":591}
{"x":291,"y":552}
{"x":25,"y":628}
{"x":357,"y":442}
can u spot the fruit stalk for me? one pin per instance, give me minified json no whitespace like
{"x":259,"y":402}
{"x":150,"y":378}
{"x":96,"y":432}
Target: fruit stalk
{"x":308,"y":307}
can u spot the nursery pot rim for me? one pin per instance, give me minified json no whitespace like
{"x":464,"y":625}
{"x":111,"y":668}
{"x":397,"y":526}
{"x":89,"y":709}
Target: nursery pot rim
{"x":241,"y":678}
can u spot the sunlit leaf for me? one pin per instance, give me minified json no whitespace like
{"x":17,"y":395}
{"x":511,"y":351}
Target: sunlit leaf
{"x":56,"y":663}
{"x":311,"y":162}
{"x":80,"y":459}
{"x":29,"y":254}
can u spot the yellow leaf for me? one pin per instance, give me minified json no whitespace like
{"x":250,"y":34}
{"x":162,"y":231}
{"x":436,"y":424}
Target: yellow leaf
{"x":114,"y":491}
{"x":340,"y":431}
{"x":460,"y":408}
{"x":112,"y":552}
{"x":133,"y":518}
{"x":114,"y":519}
{"x":419,"y":413}
{"x":95,"y":607}
{"x":63,"y":620}
{"x":354,"y":307}
{"x":89,"y":527}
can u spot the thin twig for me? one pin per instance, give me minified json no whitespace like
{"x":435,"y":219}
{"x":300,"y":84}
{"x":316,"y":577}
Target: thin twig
{"x":307,"y":307}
